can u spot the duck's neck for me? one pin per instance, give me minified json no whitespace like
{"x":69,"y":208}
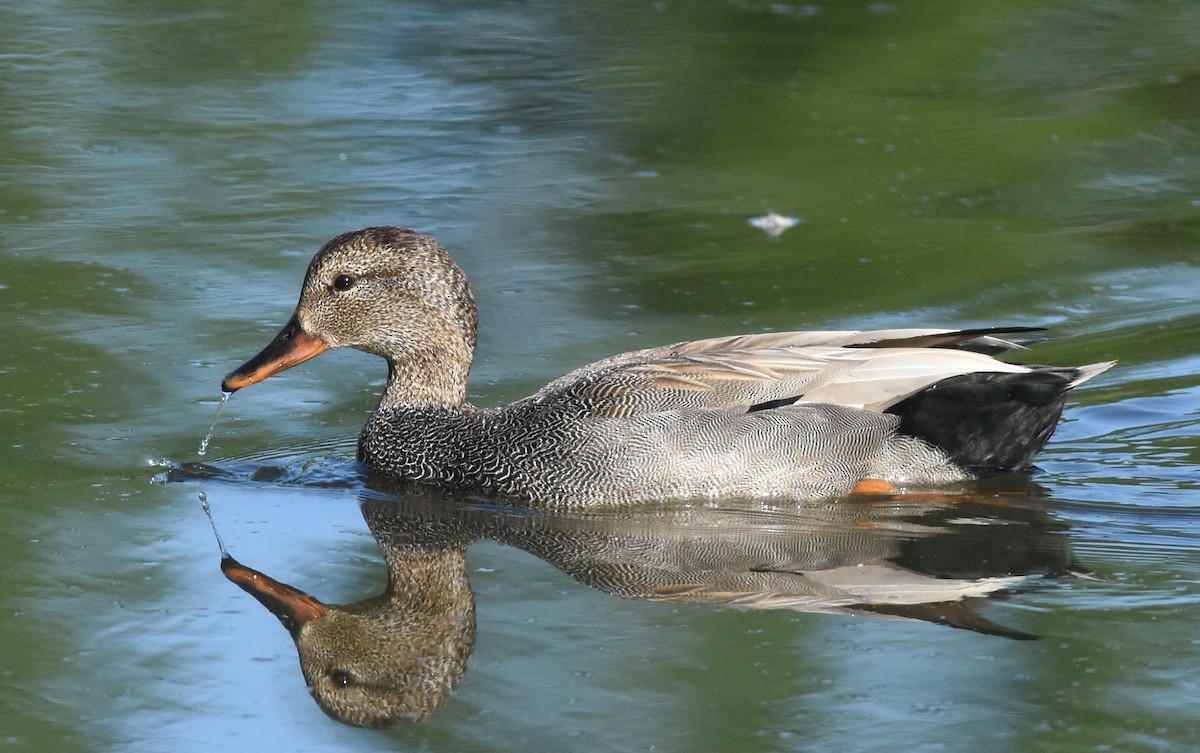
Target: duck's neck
{"x":429,"y":581}
{"x":426,"y":380}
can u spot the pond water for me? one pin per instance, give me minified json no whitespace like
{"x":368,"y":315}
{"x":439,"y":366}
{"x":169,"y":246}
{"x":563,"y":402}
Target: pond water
{"x":167,"y":171}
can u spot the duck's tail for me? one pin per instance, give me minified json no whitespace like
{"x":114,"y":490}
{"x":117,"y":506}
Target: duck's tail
{"x":992,"y":422}
{"x":1085,"y":373}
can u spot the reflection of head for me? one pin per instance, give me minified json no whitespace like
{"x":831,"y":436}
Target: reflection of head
{"x":386,"y":660}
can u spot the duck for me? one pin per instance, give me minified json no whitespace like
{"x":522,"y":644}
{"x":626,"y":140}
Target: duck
{"x":807,"y":415}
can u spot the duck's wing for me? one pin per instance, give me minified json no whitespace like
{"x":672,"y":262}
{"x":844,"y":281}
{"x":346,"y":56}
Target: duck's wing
{"x":867,"y":369}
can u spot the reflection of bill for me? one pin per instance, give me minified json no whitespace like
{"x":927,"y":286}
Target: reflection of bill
{"x":395,"y":657}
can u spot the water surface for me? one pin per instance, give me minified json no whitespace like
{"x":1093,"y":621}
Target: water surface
{"x":167,"y":172}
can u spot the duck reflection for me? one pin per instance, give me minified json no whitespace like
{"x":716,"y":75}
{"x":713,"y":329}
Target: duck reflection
{"x":390,"y":658}
{"x":395,"y":657}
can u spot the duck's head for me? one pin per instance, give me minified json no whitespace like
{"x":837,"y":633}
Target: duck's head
{"x":377,"y":663}
{"x":390,"y":291}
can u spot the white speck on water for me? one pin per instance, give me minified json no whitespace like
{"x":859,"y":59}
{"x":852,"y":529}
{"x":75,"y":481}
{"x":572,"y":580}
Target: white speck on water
{"x":774,"y":224}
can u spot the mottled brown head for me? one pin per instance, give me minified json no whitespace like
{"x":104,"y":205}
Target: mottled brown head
{"x":390,"y":291}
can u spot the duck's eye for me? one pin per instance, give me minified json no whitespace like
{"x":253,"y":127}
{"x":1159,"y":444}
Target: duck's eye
{"x":344,"y":282}
{"x":343,"y":678}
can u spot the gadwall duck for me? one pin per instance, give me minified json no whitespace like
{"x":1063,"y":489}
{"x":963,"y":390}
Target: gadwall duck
{"x":796,"y":415}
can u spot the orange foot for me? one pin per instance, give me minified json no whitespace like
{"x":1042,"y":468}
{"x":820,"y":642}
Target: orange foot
{"x":872,"y":486}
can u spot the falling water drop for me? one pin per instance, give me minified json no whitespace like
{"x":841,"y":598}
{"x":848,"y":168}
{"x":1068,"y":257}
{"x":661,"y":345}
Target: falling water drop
{"x":208,"y":437}
{"x":213,"y":523}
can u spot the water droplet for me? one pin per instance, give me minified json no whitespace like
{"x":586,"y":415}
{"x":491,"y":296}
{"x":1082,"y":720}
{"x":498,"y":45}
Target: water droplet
{"x":208,"y":511}
{"x":208,"y":437}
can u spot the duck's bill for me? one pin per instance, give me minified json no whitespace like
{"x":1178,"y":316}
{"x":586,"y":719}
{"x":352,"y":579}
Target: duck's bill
{"x":292,"y":606}
{"x":290,"y":347}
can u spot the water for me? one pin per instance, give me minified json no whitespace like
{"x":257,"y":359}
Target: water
{"x":166,"y":174}
{"x":216,"y":534}
{"x":200,"y":452}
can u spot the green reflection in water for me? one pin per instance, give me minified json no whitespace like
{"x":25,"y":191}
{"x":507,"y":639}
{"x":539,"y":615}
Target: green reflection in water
{"x":934,"y":164}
